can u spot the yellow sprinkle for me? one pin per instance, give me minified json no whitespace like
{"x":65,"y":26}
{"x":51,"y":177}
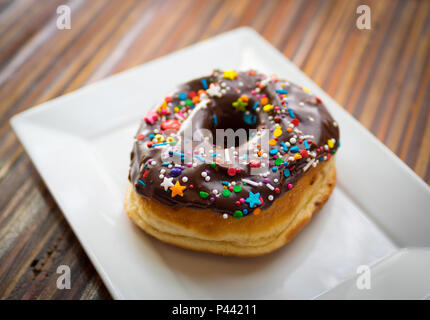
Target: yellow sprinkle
{"x":159,"y":138}
{"x":230,"y":74}
{"x":272,"y":142}
{"x":330,"y":143}
{"x":306,"y":90}
{"x":267,"y":108}
{"x":176,"y":109}
{"x":278,"y":131}
{"x":297,"y":156}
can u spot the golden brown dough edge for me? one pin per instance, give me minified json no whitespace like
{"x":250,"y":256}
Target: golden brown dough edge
{"x":253,"y":235}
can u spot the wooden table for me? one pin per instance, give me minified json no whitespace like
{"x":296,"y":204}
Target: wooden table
{"x":381,"y":76}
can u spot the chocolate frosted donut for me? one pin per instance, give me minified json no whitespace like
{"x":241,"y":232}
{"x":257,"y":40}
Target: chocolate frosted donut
{"x":228,"y":147}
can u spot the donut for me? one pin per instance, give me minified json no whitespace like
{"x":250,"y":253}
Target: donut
{"x":233,"y":163}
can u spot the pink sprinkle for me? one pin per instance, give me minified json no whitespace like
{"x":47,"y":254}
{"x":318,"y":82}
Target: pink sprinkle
{"x":242,"y":200}
{"x":290,"y":186}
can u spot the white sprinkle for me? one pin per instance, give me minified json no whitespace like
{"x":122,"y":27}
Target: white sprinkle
{"x":204,"y":174}
{"x":225,"y":216}
{"x":270,"y":198}
{"x":270,"y":186}
{"x":306,"y":167}
{"x":207,"y":178}
{"x":161,"y":176}
{"x":184,"y":179}
{"x":252,"y":183}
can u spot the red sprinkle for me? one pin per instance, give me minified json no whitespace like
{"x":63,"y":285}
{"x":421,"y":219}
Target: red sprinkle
{"x":170,"y":124}
{"x":304,"y":153}
{"x":231,"y":172}
{"x":254,"y":164}
{"x":140,"y":137}
{"x":318,"y":99}
{"x":295,"y":121}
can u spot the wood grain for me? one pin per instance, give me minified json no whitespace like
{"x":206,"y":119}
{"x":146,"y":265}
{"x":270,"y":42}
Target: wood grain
{"x":381,"y":76}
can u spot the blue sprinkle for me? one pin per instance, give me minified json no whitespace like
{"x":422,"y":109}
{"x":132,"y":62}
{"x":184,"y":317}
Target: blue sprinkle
{"x":290,"y":111}
{"x":245,"y":211}
{"x":321,"y":159}
{"x":306,"y":145}
{"x":165,"y":164}
{"x":256,"y":105}
{"x":215,"y":120}
{"x":281,"y":91}
{"x":286,"y":172}
{"x":159,"y":144}
{"x":338,"y":143}
{"x":177,"y":154}
{"x":294,"y":149}
{"x":182,"y":96}
{"x":274,"y":169}
{"x":205,"y":84}
{"x":285,"y":164}
{"x":142,"y":183}
{"x":151,"y":136}
{"x":199,"y":157}
{"x":214,"y":155}
{"x":284,"y":146}
{"x":274,"y":151}
{"x":225,"y":183}
{"x":245,"y":156}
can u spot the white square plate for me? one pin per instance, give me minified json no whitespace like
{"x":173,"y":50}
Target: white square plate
{"x":80,"y":143}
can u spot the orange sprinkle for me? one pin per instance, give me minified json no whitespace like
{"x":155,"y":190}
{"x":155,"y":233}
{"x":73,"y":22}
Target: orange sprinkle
{"x":196,"y":99}
{"x":272,"y":142}
{"x":257,"y":211}
{"x":289,"y":129}
{"x":258,"y":145}
{"x":264,"y":101}
{"x":297,"y":156}
{"x":201,"y":91}
{"x":244,"y":98}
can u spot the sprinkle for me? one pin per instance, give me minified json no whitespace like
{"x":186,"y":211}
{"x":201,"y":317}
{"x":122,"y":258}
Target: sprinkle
{"x":306,"y":145}
{"x":184,"y":179}
{"x":268,"y":108}
{"x":225,"y":216}
{"x":270,"y":186}
{"x":240,"y":105}
{"x":175,"y":172}
{"x":182,"y":96}
{"x":226,"y":193}
{"x":140,"y":137}
{"x":237,"y":189}
{"x":270,"y":197}
{"x":238,"y":214}
{"x":215,"y":120}
{"x":231,"y":172}
{"x":273,"y":151}
{"x":290,"y":111}
{"x":330,"y":143}
{"x":278,"y":161}
{"x":204,"y":195}
{"x":252,"y":183}
{"x":253,"y":199}
{"x":245,"y":211}
{"x":177,"y":189}
{"x":159,"y":144}
{"x":142,"y":183}
{"x":294,"y":149}
{"x":281,"y":91}
{"x":257,"y":211}
{"x":307,"y":166}
{"x":230,"y":74}
{"x":286,"y":172}
{"x":284,"y":146}
{"x":199,"y":157}
{"x":205,"y":84}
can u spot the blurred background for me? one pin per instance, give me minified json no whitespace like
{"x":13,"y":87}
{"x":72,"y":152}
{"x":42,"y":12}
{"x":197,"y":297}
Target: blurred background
{"x":381,"y":76}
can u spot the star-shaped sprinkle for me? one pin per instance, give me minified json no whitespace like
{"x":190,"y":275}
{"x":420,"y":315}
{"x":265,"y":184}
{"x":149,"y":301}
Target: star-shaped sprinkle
{"x":214,"y":91}
{"x":240,"y":105}
{"x":204,"y":100}
{"x":167,"y":183}
{"x":230,"y":74}
{"x":253,"y":199}
{"x":177,"y":189}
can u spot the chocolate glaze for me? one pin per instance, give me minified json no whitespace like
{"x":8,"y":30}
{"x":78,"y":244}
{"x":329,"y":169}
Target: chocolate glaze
{"x":315,"y":124}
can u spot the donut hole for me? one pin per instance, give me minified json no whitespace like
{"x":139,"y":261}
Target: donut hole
{"x":235,"y":126}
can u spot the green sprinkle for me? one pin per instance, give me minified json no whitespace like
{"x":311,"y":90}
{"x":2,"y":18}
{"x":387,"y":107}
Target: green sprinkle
{"x":213,"y":165}
{"x":237,"y":189}
{"x":238,"y":214}
{"x":226,"y":193}
{"x":189,"y":102}
{"x":204,"y":195}
{"x":174,"y":142}
{"x":278,"y":161}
